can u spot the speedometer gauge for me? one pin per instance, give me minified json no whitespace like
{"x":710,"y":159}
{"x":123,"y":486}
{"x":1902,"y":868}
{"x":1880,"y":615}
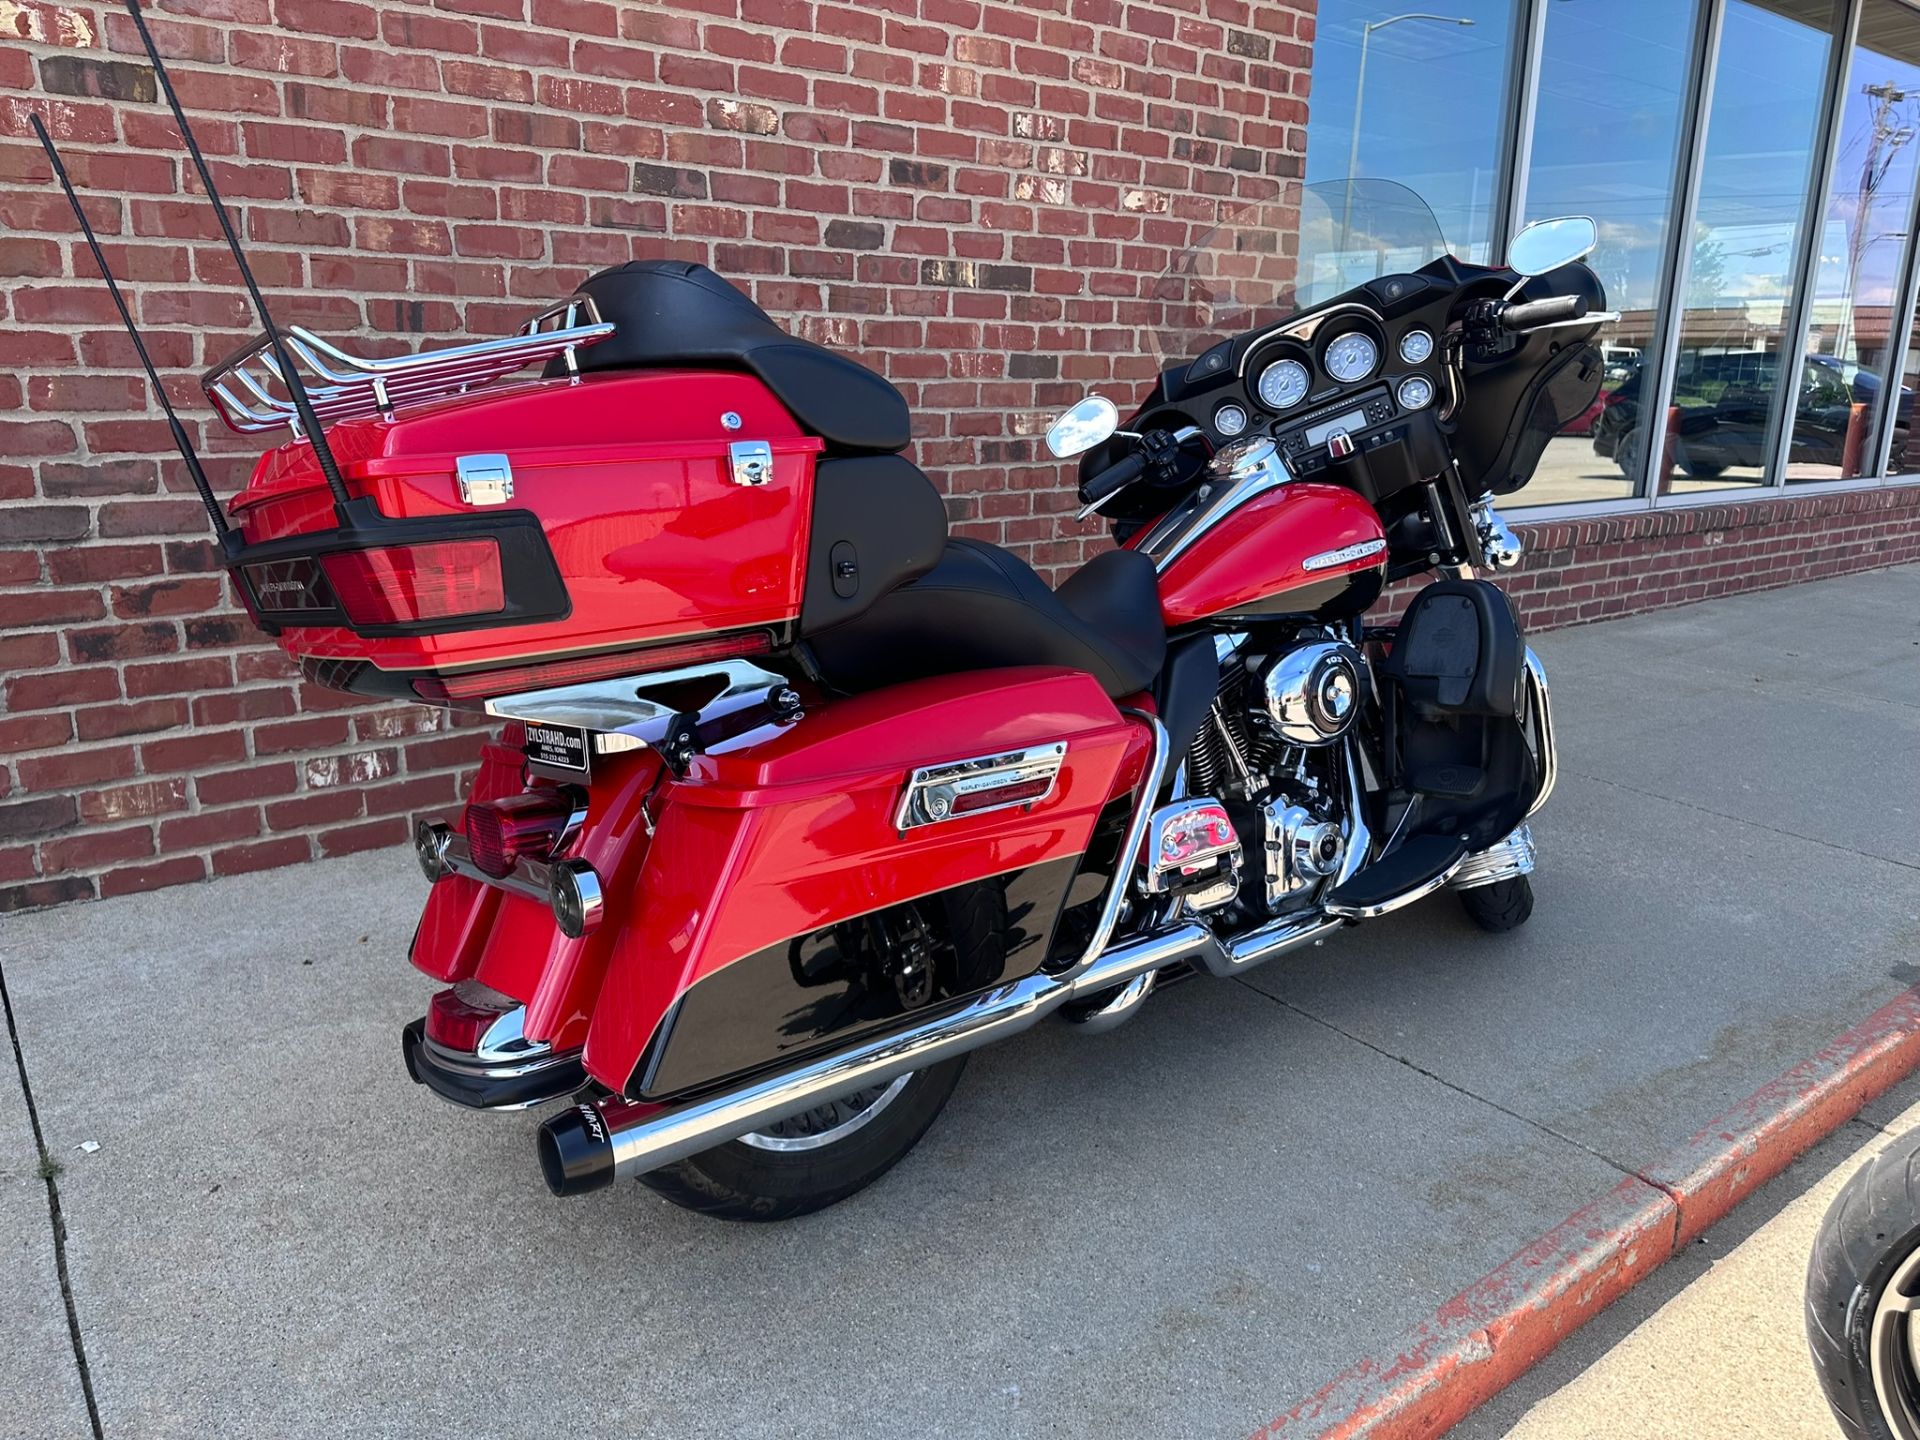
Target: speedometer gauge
{"x":1283,"y":384}
{"x":1351,"y":358}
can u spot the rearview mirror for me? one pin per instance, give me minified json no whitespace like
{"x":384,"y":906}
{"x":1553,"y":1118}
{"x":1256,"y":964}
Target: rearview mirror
{"x":1093,"y":420}
{"x":1546,"y":245}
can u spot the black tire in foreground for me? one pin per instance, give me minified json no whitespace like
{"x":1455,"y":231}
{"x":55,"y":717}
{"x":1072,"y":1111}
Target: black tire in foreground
{"x":1501,"y":906}
{"x":1863,"y":1297}
{"x":777,"y":1174}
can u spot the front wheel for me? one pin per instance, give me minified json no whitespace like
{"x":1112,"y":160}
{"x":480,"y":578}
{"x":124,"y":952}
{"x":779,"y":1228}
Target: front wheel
{"x":1863,"y":1296}
{"x":811,"y":1160}
{"x":1502,"y":906}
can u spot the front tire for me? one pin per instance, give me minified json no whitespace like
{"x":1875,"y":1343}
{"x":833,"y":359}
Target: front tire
{"x":810,"y":1161}
{"x":1863,"y":1298}
{"x":1502,"y":906}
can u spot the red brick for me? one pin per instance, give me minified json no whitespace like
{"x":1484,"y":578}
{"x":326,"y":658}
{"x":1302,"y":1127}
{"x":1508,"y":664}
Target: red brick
{"x":371,"y":836}
{"x":71,"y":769}
{"x":96,"y":849}
{"x":267,"y":855}
{"x":179,"y":870}
{"x":59,"y":689}
{"x":141,"y":717}
{"x":209,"y":827}
{"x":227,"y":787}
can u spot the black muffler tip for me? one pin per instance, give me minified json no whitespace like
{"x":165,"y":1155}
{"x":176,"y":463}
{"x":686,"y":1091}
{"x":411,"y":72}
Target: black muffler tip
{"x":576,"y":1151}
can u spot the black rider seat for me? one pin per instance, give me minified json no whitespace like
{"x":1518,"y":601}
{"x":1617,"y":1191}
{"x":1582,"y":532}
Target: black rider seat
{"x":673,"y":314}
{"x":981,"y":608}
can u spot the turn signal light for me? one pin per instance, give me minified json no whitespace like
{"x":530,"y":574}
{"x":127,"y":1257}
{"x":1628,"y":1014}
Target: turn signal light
{"x":502,"y":832}
{"x":406,"y":584}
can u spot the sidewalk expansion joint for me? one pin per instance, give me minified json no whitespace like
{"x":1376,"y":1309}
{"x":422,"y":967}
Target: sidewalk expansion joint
{"x":1461,"y":1090}
{"x":49,"y":1173}
{"x":1741,"y":820}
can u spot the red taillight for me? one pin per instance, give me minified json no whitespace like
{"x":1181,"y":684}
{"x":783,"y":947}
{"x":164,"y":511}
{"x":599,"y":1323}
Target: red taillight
{"x":456,"y":1022}
{"x":405,"y":584}
{"x":478,"y":685}
{"x":500,"y":832}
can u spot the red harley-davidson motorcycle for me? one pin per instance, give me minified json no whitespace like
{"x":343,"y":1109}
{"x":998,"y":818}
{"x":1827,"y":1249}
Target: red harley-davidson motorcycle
{"x":798,"y":799}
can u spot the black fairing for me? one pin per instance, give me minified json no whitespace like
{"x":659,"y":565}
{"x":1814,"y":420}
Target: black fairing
{"x":877,"y":523}
{"x":673,"y":313}
{"x":1517,"y":399}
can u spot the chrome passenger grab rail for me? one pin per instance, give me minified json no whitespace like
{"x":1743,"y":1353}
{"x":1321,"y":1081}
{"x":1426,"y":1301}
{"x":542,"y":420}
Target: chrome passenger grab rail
{"x":251,"y":394}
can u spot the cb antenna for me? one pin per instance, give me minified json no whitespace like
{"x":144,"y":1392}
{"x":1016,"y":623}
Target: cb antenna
{"x":174,"y":427}
{"x":303,"y":406}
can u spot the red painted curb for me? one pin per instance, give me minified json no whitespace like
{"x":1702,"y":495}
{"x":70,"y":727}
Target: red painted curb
{"x":1498,"y":1328}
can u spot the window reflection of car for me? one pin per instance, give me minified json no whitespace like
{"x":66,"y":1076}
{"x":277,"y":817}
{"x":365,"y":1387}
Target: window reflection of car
{"x":1723,"y":402}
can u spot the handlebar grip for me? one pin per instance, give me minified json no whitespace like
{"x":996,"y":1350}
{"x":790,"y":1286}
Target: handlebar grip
{"x":1535,"y":313}
{"x":1114,"y":478}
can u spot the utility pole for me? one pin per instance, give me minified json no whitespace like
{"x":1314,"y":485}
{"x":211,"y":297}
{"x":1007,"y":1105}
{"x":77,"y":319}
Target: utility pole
{"x":1889,"y":137}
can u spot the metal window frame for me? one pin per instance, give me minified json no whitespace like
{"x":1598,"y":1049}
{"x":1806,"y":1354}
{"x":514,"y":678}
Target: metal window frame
{"x":1895,"y":371}
{"x":1663,"y":348}
{"x":1813,"y":220}
{"x":1677,"y":263}
{"x":1510,"y":209}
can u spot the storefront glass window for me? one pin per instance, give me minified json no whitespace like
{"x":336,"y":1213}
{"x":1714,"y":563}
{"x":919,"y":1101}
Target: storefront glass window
{"x":1430,"y":95}
{"x":1606,"y":143}
{"x":1762,"y":134}
{"x":1853,"y":346}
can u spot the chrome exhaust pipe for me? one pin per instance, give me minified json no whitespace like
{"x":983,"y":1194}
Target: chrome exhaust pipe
{"x":592,"y":1145}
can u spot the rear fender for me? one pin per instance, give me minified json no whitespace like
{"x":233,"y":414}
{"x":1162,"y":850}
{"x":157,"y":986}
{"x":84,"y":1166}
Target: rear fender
{"x":511,"y":943}
{"x":772,"y":841}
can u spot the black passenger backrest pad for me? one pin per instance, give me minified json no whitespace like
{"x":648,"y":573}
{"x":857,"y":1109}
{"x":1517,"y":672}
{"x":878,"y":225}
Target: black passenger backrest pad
{"x":1459,"y":650}
{"x":877,"y":523}
{"x":676,"y":314}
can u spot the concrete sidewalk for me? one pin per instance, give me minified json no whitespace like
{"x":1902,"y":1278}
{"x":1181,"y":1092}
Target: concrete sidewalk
{"x":1175,"y":1229}
{"x":1716,"y":1347}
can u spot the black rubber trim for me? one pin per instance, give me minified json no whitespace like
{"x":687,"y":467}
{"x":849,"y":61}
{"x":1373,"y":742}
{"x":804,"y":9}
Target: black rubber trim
{"x":534,"y":591}
{"x":554,"y":1082}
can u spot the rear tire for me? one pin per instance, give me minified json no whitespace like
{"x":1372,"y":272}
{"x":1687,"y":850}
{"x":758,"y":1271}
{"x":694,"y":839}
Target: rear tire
{"x":810,"y":1161}
{"x":1502,"y":906}
{"x":745,"y":1180}
{"x":1865,"y":1258}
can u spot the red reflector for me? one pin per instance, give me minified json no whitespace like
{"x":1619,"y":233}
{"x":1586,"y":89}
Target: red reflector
{"x":478,"y":685}
{"x":1001,"y":795}
{"x":500,"y":832}
{"x":404,"y":584}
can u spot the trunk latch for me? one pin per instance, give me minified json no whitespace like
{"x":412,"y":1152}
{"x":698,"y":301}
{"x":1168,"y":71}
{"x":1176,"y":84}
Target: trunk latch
{"x":752,"y":462}
{"x":484,"y":479}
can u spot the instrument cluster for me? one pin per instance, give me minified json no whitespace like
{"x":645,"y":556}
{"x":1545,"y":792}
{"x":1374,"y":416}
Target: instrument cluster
{"x":1284,"y":372}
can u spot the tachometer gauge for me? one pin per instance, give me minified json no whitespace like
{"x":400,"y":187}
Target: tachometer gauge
{"x":1351,"y":358}
{"x":1416,"y":346}
{"x":1230,"y":419}
{"x":1416,"y":392}
{"x":1283,"y":384}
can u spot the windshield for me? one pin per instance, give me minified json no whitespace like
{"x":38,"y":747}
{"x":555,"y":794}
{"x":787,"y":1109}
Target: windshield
{"x":1268,"y":259}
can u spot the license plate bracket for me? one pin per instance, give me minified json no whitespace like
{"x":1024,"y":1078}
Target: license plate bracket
{"x":558,"y":747}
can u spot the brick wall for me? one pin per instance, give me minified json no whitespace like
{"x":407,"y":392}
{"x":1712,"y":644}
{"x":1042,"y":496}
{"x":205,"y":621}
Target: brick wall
{"x":966,"y":195}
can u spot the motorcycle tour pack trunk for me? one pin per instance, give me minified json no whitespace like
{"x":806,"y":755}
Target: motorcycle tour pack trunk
{"x":796,"y":799}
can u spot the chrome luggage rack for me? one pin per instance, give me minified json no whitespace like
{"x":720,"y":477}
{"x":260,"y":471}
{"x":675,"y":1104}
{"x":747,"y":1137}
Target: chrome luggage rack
{"x":251,"y":395}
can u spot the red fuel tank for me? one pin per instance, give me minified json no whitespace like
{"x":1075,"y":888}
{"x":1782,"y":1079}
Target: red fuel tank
{"x":1299,"y":549}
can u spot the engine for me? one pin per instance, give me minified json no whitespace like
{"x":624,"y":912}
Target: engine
{"x":1269,"y":753}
